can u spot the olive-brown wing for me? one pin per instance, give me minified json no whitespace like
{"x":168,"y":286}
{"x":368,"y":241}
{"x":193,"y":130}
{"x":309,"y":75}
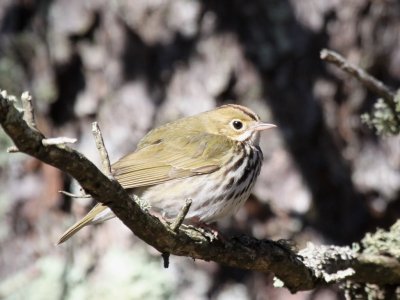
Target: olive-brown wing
{"x":172,"y":158}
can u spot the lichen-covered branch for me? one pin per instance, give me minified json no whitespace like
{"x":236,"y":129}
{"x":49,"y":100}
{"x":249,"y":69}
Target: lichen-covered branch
{"x":294,"y":271}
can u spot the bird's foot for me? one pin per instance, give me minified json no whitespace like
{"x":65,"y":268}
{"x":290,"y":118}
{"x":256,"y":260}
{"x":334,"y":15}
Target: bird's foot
{"x":210,"y":230}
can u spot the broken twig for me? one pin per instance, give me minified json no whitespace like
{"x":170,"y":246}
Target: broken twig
{"x":105,"y":161}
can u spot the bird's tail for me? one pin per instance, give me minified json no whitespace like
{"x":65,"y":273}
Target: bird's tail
{"x":97,"y":214}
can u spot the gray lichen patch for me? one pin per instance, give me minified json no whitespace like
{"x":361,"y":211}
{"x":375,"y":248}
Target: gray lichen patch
{"x":383,"y":242}
{"x":329,"y":263}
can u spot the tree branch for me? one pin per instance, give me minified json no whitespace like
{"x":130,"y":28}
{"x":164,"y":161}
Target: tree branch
{"x":386,"y":113}
{"x":295,"y":271}
{"x":369,"y":81}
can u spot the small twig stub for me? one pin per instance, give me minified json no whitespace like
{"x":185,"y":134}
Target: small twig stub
{"x":58,"y":141}
{"x":27,"y":105}
{"x":165,"y":257}
{"x":181,"y":216}
{"x":12,"y":149}
{"x":74,"y":195}
{"x":105,"y":161}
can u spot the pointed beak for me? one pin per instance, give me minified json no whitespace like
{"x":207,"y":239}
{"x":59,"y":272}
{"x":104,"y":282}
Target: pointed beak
{"x":263,"y":126}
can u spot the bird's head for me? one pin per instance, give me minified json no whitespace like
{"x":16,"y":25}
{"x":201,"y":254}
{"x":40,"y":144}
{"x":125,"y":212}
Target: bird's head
{"x":236,"y":122}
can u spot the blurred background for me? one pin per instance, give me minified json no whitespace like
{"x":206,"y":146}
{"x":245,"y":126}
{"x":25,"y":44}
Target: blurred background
{"x":135,"y":64}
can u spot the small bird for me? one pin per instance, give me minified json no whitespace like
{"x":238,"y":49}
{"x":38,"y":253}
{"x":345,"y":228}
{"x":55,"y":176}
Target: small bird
{"x":212,"y":158}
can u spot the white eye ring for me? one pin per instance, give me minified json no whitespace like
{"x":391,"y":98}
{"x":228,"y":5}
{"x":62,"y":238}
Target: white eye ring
{"x":237,"y":125}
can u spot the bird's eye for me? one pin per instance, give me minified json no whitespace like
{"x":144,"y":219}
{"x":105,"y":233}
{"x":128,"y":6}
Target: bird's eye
{"x":237,"y":124}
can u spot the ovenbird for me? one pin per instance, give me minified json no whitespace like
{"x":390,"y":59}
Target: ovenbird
{"x":212,"y":158}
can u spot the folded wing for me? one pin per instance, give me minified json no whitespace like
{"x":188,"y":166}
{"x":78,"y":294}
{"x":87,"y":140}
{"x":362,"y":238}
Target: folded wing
{"x":176,"y":157}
